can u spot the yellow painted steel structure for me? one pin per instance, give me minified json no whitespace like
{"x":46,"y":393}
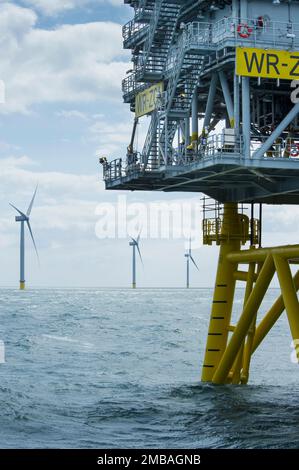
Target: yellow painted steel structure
{"x":22,"y":285}
{"x":229,"y":348}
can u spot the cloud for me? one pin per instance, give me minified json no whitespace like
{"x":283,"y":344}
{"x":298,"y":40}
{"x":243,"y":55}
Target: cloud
{"x":53,"y":7}
{"x":112,"y":138}
{"x":22,"y":173}
{"x":69,"y":64}
{"x":72,"y":114}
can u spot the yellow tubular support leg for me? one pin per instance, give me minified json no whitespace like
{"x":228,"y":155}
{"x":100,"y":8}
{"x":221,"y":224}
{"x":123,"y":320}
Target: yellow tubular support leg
{"x":271,"y":317}
{"x":243,"y":353}
{"x":22,"y":285}
{"x":224,"y":292}
{"x":289,"y":296}
{"x":241,"y":330}
{"x":248,"y":344}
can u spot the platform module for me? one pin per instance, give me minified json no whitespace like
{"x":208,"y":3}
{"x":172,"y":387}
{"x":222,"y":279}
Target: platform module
{"x":218,"y":84}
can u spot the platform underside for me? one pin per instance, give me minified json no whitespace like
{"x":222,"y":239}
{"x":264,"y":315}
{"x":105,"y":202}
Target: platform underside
{"x":226,"y":179}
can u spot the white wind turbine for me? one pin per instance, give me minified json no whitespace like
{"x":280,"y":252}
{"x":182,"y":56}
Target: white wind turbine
{"x":134,"y":243}
{"x":25,"y":218}
{"x":189,"y":258}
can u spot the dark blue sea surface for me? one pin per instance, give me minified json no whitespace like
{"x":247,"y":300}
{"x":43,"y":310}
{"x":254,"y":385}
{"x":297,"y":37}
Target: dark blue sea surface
{"x":89,"y":368}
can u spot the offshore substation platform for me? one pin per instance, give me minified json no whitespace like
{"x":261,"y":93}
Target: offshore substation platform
{"x":217,"y":80}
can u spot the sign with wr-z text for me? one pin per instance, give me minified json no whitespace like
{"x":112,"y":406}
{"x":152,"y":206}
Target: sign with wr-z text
{"x":268,"y":63}
{"x":147,"y":100}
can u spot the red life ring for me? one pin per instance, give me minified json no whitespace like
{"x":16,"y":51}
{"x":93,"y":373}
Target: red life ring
{"x":293,"y":150}
{"x":244,"y":31}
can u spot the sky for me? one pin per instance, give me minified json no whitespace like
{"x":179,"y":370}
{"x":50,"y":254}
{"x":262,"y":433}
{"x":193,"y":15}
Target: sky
{"x":62,"y":63}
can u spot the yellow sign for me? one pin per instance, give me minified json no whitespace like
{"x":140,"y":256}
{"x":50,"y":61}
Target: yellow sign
{"x":268,"y":63}
{"x":146,"y":101}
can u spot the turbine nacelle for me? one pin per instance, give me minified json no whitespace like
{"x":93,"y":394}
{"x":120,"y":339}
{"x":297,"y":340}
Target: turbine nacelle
{"x":21,"y":218}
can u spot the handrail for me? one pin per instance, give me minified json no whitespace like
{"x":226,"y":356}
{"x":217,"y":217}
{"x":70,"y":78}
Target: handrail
{"x":277,"y":34}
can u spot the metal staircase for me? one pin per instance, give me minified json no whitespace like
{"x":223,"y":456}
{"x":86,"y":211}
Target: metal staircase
{"x":150,"y":154}
{"x":183,"y":80}
{"x":160,"y":36}
{"x":180,"y":90}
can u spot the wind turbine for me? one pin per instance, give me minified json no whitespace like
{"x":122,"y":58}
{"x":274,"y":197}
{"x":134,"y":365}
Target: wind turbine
{"x":135,"y":245}
{"x":25,"y":218}
{"x":189,"y":257}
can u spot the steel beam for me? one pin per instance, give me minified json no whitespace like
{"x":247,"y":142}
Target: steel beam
{"x":227,"y":97}
{"x":278,"y":131}
{"x":210,"y":101}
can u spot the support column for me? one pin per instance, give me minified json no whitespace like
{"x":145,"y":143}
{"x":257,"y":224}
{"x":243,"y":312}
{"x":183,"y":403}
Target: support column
{"x":210,"y":101}
{"x":194,"y":138}
{"x":246,"y":117}
{"x":289,"y":296}
{"x":231,"y":235}
{"x":134,"y":267}
{"x":22,"y":257}
{"x":271,"y":317}
{"x":237,"y":104}
{"x":187,"y":131}
{"x":244,"y":10}
{"x":227,"y":98}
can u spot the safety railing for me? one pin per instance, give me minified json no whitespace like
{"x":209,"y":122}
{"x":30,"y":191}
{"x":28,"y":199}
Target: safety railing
{"x":260,"y":31}
{"x":281,"y":148}
{"x":131,"y":86}
{"x":134,"y":29}
{"x":113,"y":170}
{"x":215,"y":230}
{"x":120,"y":168}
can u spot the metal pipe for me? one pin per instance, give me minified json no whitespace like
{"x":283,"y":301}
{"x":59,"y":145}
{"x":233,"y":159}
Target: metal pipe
{"x":210,"y":101}
{"x":271,"y":317}
{"x":187,"y":131}
{"x":289,"y":295}
{"x":243,"y":10}
{"x":227,"y":97}
{"x":259,"y":255}
{"x":237,"y":104}
{"x":261,"y":225}
{"x":235,"y":8}
{"x":195,"y":117}
{"x":134,"y":267}
{"x":22,"y":256}
{"x":246,"y":115}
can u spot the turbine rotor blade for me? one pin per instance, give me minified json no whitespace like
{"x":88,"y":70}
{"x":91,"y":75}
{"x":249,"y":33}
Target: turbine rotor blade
{"x":139,"y":254}
{"x":192,"y":259}
{"x":31,"y":203}
{"x":20,"y":212}
{"x":139,"y":234}
{"x":32,"y":237}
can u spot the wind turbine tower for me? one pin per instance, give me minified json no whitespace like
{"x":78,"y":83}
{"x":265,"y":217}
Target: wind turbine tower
{"x":189,"y":258}
{"x":25,"y":219}
{"x":134,"y":243}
